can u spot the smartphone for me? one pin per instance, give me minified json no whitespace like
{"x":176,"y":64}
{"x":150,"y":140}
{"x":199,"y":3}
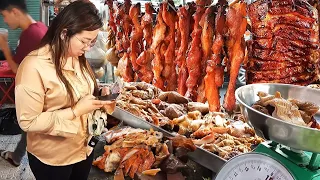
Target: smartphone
{"x":110,"y":97}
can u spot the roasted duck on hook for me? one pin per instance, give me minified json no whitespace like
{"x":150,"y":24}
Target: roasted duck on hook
{"x":236,"y":23}
{"x":215,"y":70}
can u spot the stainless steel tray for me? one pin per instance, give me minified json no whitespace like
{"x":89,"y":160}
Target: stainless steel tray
{"x":297,"y":137}
{"x":201,"y":156}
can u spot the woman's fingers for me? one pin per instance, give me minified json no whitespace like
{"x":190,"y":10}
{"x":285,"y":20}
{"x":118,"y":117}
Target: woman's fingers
{"x":99,"y":103}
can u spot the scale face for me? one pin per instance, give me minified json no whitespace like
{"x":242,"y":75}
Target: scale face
{"x":254,"y":166}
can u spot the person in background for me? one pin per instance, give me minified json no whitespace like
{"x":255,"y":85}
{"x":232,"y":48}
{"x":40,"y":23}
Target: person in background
{"x":54,"y":96}
{"x":15,"y":15}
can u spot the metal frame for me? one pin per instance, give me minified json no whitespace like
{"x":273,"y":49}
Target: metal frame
{"x":44,"y":11}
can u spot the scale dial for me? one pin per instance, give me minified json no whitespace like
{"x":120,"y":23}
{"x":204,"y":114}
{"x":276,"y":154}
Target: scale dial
{"x":254,"y":166}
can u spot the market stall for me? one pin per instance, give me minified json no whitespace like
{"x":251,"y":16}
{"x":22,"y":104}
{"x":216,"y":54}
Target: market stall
{"x":172,"y":63}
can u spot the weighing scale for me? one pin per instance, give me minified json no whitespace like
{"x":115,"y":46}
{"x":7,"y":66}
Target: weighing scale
{"x":291,"y":152}
{"x":272,"y":161}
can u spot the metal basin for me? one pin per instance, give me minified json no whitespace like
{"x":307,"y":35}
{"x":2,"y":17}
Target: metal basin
{"x":294,"y":136}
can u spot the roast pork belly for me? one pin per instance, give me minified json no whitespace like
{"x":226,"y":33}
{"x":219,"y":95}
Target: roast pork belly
{"x":298,"y":79}
{"x":285,"y":42}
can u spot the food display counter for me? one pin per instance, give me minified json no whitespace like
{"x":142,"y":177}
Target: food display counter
{"x":172,"y":71}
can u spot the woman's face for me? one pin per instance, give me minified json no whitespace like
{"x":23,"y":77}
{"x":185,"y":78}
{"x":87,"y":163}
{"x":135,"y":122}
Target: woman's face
{"x":82,"y":42}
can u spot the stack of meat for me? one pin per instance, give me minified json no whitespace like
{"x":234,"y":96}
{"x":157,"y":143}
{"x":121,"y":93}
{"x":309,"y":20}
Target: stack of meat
{"x":216,"y":132}
{"x":138,"y":153}
{"x":285,"y":44}
{"x":186,"y":50}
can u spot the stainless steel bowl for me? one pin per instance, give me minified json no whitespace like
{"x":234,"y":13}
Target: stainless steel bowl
{"x":294,"y":136}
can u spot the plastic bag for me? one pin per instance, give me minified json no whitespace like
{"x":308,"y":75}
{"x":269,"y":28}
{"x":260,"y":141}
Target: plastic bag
{"x":8,"y":122}
{"x":97,"y":121}
{"x":96,"y":56}
{"x":98,"y":51}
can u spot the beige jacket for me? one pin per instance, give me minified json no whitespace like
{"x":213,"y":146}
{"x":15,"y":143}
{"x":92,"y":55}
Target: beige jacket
{"x":40,"y":97}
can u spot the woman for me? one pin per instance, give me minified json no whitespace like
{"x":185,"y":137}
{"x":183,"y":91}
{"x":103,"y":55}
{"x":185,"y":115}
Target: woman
{"x":54,"y":95}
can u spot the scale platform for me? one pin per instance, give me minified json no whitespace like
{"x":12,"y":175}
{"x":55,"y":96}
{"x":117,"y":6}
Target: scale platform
{"x":301,"y":164}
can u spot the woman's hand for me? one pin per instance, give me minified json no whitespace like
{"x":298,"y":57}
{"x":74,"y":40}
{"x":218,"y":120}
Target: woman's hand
{"x":86,"y":105}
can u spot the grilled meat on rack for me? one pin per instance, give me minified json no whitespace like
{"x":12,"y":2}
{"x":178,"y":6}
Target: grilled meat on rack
{"x":136,"y":45}
{"x":184,"y":30}
{"x":145,"y":58}
{"x":124,"y":28}
{"x":285,"y":42}
{"x":157,"y":47}
{"x":207,"y":24}
{"x":169,"y":70}
{"x":185,"y":49}
{"x":111,"y":21}
{"x":195,"y":53}
{"x":236,"y":24}
{"x":214,"y":77}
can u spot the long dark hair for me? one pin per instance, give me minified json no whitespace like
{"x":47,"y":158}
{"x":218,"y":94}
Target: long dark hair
{"x":76,"y":17}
